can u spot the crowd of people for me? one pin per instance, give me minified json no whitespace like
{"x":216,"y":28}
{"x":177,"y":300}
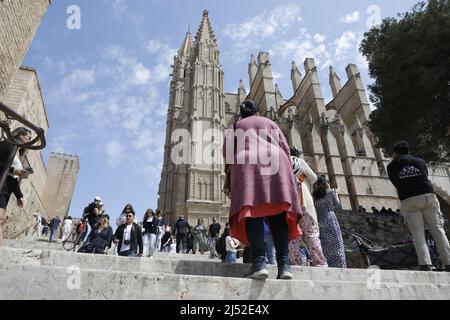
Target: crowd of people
{"x":283,"y":218}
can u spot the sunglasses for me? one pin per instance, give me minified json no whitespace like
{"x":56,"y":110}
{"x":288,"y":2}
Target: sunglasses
{"x":130,"y":216}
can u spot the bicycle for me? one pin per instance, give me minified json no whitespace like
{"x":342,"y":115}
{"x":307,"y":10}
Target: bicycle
{"x":76,"y":236}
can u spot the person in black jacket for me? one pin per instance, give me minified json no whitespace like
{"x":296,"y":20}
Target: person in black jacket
{"x":181,"y":231}
{"x":166,"y":240}
{"x":419,"y":204}
{"x":150,"y":232}
{"x":16,"y":172}
{"x":128,"y":238}
{"x":92,"y":213}
{"x":99,"y":240}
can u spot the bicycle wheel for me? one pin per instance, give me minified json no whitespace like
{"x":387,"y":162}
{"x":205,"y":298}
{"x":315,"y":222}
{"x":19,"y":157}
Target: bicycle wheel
{"x":71,"y":241}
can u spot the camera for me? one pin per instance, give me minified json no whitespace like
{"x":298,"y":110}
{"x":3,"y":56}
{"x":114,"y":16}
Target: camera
{"x":127,"y":242}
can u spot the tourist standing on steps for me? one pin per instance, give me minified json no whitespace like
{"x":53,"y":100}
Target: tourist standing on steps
{"x":92,"y":212}
{"x":326,"y":203}
{"x":159,"y":224}
{"x":214,"y":232}
{"x":150,"y":233}
{"x":67,"y":227}
{"x":16,"y":172}
{"x":128,"y":238}
{"x":37,"y":229}
{"x":54,"y":225}
{"x":419,"y":204}
{"x":309,"y":225}
{"x":231,"y":246}
{"x":122,"y":219}
{"x":200,"y":237}
{"x":166,"y":240}
{"x":261,"y":188}
{"x":180,"y":231}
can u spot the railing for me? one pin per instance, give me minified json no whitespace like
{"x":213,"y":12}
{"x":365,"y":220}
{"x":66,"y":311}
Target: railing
{"x":6,"y":135}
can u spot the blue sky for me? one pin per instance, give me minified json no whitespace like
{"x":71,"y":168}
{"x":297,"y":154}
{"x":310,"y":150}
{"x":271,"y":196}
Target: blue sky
{"x":106,"y":85}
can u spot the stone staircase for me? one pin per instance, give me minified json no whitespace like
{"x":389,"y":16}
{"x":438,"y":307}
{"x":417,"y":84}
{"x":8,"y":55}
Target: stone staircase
{"x":41,"y":270}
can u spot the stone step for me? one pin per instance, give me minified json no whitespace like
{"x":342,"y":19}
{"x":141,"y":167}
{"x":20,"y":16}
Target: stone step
{"x":53,"y":282}
{"x":14,"y":256}
{"x":57,"y":246}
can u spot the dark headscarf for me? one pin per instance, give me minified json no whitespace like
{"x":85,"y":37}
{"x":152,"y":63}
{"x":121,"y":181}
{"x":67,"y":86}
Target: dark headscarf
{"x":249,"y":108}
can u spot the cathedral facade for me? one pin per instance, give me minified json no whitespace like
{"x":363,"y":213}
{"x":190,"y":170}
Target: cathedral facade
{"x":334,"y":136}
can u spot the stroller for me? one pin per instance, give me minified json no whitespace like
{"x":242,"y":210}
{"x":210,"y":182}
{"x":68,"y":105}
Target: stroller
{"x":400,"y":255}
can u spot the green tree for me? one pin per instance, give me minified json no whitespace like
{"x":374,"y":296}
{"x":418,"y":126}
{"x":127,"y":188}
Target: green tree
{"x":409,"y":58}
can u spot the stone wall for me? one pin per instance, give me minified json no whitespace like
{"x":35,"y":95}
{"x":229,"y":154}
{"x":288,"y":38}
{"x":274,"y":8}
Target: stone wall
{"x":25,"y":97}
{"x":19,"y":21}
{"x":383,"y":229}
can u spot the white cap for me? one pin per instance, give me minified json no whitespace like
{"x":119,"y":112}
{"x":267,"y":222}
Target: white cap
{"x":97,"y":199}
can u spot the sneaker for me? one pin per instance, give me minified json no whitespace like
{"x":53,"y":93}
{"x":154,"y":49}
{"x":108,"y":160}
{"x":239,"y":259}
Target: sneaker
{"x":258,"y":271}
{"x":285,"y":272}
{"x":426,"y":268}
{"x":447,"y":268}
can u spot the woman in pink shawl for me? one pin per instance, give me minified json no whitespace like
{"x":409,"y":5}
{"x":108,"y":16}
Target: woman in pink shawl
{"x":262,"y":186}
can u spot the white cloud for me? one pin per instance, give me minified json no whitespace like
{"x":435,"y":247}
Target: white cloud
{"x":163,"y":52}
{"x":62,"y":140}
{"x":347,"y":49}
{"x":154,"y":45}
{"x":141,"y":74}
{"x":345,"y":43}
{"x":299,"y":49}
{"x":351,"y":17}
{"x":271,"y":24}
{"x":277,"y":76}
{"x":319,"y":38}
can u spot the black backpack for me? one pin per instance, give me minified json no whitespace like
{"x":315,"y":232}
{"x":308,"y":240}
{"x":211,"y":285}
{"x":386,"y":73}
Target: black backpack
{"x":220,"y":245}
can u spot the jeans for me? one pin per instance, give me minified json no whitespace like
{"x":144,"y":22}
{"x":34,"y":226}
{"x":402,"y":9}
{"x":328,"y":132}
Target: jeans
{"x":280,"y":234}
{"x":52,"y":234}
{"x":181,"y":242}
{"x":231,"y":257}
{"x":270,"y":249}
{"x":150,"y":244}
{"x":158,"y":241}
{"x":418,"y":210}
{"x":212,"y":246}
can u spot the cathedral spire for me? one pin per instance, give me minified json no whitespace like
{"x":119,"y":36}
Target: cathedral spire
{"x":296,"y":76}
{"x":252,"y":69}
{"x":205,"y":31}
{"x":335,"y":82}
{"x":186,"y":46}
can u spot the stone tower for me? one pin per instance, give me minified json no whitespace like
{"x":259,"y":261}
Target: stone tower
{"x":62,"y":171}
{"x":196,"y":106}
